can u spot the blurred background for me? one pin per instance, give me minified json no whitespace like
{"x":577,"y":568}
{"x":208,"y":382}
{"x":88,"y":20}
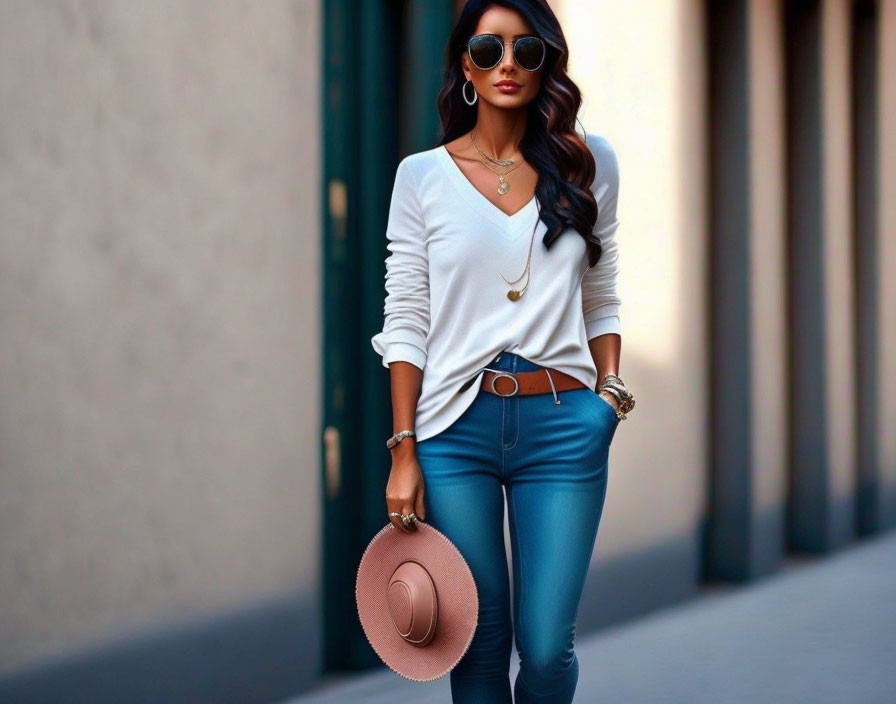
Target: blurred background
{"x":193,"y":198}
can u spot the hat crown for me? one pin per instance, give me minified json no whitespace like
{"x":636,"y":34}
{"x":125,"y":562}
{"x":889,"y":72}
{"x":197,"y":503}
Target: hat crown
{"x":413,"y":603}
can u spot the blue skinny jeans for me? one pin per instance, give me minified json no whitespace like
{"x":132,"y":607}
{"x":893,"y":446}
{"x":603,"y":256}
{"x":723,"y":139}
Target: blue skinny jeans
{"x":552,"y":462}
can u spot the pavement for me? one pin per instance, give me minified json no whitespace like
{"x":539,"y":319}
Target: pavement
{"x":820,"y":630}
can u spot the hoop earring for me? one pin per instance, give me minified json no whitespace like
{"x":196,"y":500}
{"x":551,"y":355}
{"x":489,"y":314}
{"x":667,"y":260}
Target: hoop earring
{"x":463,"y":90}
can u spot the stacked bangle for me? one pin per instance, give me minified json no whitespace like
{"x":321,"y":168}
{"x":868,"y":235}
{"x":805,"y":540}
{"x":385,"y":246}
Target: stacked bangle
{"x":613,"y":385}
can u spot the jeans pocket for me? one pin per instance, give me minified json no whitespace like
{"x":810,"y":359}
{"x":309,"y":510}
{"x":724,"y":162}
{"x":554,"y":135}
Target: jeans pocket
{"x":609,"y":406}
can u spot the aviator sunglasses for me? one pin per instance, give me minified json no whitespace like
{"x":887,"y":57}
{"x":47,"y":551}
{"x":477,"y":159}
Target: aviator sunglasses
{"x":487,"y":50}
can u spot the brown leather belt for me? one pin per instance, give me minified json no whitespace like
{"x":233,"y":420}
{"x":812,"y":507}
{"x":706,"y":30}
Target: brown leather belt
{"x":505,"y":383}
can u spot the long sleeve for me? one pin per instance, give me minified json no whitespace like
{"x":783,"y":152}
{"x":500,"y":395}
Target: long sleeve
{"x":600,"y":300}
{"x":406,"y":309}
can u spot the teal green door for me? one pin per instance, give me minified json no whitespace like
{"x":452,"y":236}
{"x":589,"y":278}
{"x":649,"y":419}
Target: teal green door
{"x":382,"y":68}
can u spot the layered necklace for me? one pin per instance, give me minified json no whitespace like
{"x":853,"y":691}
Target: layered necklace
{"x":514,"y":294}
{"x":503,"y":184}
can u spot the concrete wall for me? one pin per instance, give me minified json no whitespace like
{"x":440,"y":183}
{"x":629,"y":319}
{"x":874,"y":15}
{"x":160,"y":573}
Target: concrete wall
{"x":159,"y":321}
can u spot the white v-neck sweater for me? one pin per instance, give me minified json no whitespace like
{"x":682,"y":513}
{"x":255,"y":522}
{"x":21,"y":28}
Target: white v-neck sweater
{"x":446,"y":308}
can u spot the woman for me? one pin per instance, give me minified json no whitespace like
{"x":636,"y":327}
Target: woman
{"x":501,"y":307}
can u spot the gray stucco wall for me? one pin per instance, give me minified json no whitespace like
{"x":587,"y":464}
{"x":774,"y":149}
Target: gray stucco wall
{"x":159,"y":315}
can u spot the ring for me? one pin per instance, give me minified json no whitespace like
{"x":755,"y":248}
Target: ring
{"x":405,"y":518}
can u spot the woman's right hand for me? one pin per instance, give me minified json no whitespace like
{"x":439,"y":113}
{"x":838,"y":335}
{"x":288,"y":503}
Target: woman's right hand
{"x":405,"y":488}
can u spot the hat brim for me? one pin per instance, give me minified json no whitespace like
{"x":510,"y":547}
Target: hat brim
{"x":458,"y":601}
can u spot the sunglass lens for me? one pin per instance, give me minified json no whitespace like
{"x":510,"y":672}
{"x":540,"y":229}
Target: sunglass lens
{"x":529,"y":52}
{"x":485,"y":51}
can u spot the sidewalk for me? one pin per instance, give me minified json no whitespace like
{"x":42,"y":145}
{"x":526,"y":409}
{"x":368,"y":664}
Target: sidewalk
{"x":822,"y":631}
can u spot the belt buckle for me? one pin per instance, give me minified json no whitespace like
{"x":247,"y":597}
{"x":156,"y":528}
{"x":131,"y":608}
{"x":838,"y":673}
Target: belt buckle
{"x":507,"y":374}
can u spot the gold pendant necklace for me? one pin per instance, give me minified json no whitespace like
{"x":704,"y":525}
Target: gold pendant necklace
{"x":515,"y":294}
{"x":503,"y":185}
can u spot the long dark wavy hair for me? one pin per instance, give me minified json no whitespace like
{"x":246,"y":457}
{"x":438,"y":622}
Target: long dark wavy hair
{"x":565,"y":164}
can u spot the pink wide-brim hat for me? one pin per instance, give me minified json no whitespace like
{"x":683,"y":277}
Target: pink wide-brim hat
{"x":417,"y":601}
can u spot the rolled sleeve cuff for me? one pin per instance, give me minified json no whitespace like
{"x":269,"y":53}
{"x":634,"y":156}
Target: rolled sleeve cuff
{"x":603,"y":325}
{"x":400,"y":345}
{"x":404,"y":352}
